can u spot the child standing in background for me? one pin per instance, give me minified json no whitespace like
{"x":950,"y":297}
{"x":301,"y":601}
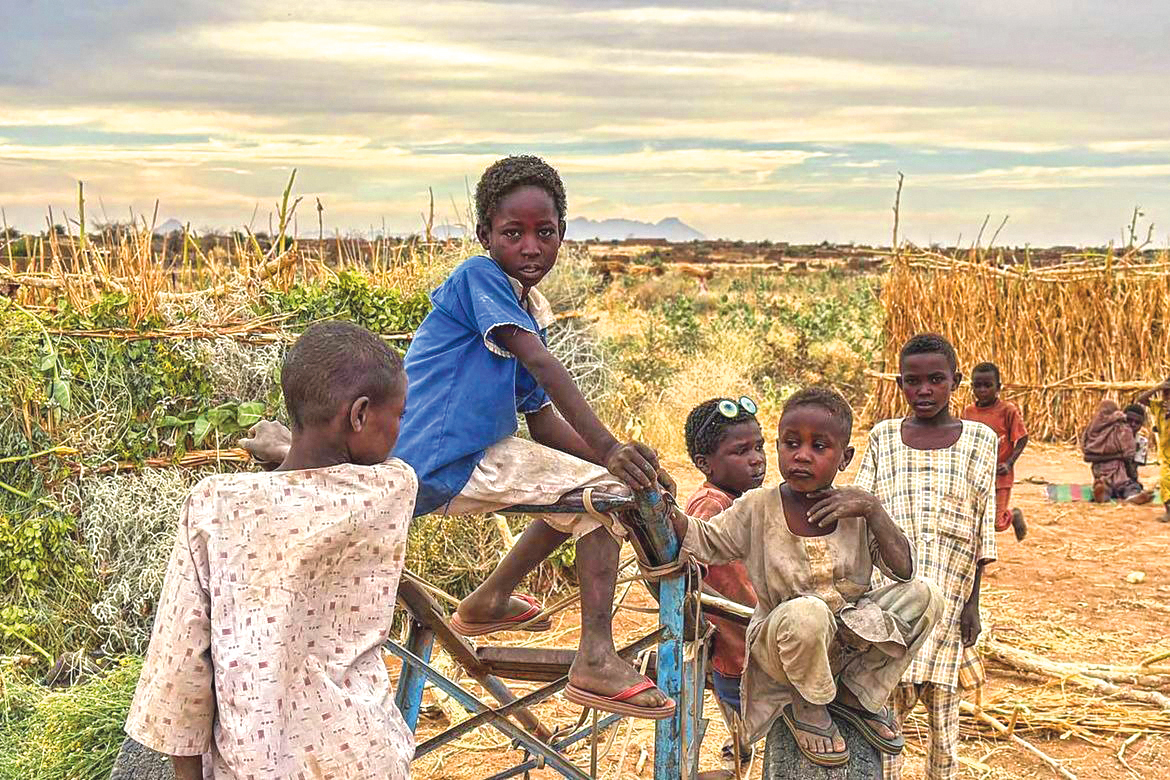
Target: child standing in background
{"x":725,"y":442}
{"x":1157,"y":399}
{"x":1005,"y":421}
{"x":935,"y":475}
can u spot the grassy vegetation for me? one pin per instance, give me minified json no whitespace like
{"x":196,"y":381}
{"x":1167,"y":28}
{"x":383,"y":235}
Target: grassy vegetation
{"x":131,"y":374}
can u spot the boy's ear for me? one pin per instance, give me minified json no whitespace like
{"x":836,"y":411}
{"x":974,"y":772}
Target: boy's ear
{"x":358,"y":412}
{"x":703,"y":465}
{"x":958,"y":381}
{"x":847,"y":457}
{"x":563,"y":227}
{"x":484,"y":233}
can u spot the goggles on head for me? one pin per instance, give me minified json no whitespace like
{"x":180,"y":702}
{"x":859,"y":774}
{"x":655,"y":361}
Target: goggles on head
{"x":729,"y":409}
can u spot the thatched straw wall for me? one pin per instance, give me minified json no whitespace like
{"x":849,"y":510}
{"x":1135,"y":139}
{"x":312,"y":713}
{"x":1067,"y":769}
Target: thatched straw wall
{"x":1064,"y":336}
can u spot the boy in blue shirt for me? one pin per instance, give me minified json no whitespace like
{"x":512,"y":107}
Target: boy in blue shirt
{"x":477,"y":361}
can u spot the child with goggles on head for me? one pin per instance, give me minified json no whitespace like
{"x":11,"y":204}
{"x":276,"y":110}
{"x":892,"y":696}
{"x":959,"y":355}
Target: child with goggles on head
{"x":725,"y":442}
{"x":822,"y":644}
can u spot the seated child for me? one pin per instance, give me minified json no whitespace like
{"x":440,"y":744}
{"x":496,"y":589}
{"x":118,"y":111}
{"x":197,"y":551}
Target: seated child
{"x":821,"y":640}
{"x":1004,"y":420}
{"x":479,"y":359}
{"x":725,"y":442}
{"x":1108,"y":444}
{"x":265,"y":659}
{"x":935,"y":474}
{"x":1158,"y":400}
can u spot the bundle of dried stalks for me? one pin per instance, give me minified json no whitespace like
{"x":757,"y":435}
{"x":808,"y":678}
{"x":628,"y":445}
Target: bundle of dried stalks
{"x":1064,"y":336}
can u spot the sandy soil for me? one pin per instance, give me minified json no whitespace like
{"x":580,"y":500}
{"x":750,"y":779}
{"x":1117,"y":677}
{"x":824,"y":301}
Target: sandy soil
{"x":1062,"y":593}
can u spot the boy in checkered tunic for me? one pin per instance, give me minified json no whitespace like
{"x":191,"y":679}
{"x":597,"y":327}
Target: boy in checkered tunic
{"x":935,"y":475}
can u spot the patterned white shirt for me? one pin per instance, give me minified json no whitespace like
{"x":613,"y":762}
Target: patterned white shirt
{"x":265,"y":656}
{"x":944,"y":501}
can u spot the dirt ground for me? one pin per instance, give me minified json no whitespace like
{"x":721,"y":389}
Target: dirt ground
{"x":1062,"y":593}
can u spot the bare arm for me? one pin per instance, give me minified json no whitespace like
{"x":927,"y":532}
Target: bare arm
{"x":970,"y":624}
{"x":1018,"y":451}
{"x":187,"y":767}
{"x":634,"y":463}
{"x":550,"y":429}
{"x":1145,"y":396}
{"x":893,"y":545}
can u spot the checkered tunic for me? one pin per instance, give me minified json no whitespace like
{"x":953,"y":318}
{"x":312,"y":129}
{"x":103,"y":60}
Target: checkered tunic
{"x":944,"y":501}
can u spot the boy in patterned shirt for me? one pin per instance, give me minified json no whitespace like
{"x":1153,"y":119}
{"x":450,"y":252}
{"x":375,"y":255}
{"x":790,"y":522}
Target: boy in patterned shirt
{"x":935,"y":475}
{"x":265,"y":659}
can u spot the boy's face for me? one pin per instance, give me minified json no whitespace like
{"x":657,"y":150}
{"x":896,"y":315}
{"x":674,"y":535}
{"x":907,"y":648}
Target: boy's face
{"x":373,"y":428}
{"x":1135,"y":421}
{"x":525,"y":234}
{"x":813,"y":448}
{"x":738,"y":463}
{"x":927,"y":381}
{"x":985,"y":387}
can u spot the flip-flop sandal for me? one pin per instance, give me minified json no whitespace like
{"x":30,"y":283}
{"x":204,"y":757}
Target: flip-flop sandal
{"x":619,"y":703}
{"x":820,"y":759}
{"x":471,"y":628}
{"x":860,"y":719}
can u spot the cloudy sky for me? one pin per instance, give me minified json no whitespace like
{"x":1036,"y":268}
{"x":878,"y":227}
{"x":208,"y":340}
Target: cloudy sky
{"x":757,"y":120}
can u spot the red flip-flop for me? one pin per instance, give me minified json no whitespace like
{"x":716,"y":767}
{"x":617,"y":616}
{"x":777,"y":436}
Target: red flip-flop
{"x":619,"y":703}
{"x":470,"y":628}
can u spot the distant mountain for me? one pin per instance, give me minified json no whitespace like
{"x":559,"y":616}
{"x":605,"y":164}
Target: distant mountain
{"x":671,"y":229}
{"x":168,"y":227}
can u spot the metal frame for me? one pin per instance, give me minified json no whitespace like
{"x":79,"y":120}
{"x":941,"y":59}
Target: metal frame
{"x":675,"y":738}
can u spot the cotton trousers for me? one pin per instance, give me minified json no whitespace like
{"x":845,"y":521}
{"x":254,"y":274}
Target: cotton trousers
{"x":799,"y":645}
{"x":942,"y":718}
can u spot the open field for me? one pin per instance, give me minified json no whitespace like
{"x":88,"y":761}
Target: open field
{"x":134,"y":363}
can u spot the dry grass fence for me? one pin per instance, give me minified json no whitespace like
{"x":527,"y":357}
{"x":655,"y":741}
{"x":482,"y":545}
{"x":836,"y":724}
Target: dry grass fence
{"x":1064,"y":336}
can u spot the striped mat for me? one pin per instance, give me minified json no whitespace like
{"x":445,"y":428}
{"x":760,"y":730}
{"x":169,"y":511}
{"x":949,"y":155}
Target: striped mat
{"x":1066,"y":492}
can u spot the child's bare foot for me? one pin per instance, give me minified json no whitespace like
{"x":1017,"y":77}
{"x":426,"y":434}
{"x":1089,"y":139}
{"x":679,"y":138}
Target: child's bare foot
{"x":1144,"y":497}
{"x":1018,"y":525}
{"x":605,"y":674}
{"x":1100,"y":492}
{"x":816,"y":716}
{"x":487,"y":613}
{"x":876,"y":723}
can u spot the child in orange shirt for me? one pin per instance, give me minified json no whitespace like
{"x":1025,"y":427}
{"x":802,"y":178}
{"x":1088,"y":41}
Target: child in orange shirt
{"x":1003,"y":417}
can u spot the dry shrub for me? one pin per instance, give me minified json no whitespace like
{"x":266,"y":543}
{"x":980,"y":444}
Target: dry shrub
{"x":1063,"y":337}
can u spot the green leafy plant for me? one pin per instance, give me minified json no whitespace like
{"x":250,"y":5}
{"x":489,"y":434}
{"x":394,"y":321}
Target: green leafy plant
{"x":218,"y":422}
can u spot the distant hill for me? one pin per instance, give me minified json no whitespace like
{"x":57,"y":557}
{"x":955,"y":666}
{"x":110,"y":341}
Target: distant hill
{"x":671,"y":229}
{"x":168,"y":227}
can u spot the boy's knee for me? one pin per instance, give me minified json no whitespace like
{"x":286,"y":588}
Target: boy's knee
{"x":805,"y":615}
{"x":925,"y":598}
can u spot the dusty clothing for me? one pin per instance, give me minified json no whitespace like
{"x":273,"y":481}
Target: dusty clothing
{"x":942,"y":718}
{"x":1108,"y":444}
{"x":1006,"y":422}
{"x":801,"y":644}
{"x":265,"y":656}
{"x":833,"y":570}
{"x":730,"y":580}
{"x":518,"y":471}
{"x":944,"y":501}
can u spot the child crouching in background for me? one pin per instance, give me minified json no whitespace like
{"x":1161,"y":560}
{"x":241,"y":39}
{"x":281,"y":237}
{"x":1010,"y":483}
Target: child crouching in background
{"x":820,"y":641}
{"x":265,"y":658}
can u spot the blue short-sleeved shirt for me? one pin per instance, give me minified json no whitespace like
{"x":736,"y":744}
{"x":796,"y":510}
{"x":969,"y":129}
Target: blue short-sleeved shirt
{"x":464,"y":389}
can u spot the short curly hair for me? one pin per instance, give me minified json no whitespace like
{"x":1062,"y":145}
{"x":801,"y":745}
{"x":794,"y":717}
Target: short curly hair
{"x":334,"y":363}
{"x":926,"y":343}
{"x":987,"y":368}
{"x":519,"y":170}
{"x":828,"y":399}
{"x":706,"y":441}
